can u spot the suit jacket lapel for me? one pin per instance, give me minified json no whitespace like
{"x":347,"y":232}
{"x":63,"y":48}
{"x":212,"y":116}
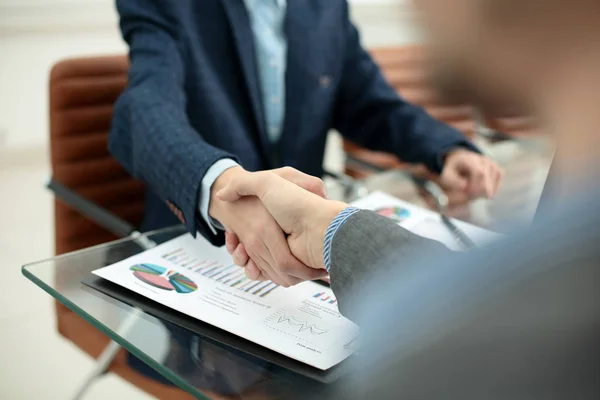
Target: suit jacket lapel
{"x":242,"y":32}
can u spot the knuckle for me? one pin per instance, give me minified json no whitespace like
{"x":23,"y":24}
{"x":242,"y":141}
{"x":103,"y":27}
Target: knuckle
{"x":318,"y":183}
{"x":281,"y":263}
{"x":254,"y":242}
{"x":286,"y":170}
{"x":294,"y":281}
{"x":284,"y":267}
{"x":251,"y":274}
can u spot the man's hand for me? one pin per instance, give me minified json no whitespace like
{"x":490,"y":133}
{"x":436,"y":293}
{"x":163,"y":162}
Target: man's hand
{"x":471,"y":173}
{"x":262,"y":243}
{"x":303,"y":216}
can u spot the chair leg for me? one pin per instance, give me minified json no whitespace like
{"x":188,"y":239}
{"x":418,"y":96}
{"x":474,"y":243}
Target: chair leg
{"x":109,"y":353}
{"x":102,"y":364}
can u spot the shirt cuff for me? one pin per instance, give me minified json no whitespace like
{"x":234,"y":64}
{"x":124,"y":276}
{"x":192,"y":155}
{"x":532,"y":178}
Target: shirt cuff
{"x":209,"y":179}
{"x":337,"y":222}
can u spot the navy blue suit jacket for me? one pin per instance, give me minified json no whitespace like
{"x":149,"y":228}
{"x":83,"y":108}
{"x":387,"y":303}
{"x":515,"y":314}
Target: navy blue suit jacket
{"x":193,"y":98}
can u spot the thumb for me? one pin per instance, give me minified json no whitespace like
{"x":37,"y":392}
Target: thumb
{"x":250,"y":184}
{"x":237,"y":188}
{"x":305,"y":181}
{"x":453,"y":180}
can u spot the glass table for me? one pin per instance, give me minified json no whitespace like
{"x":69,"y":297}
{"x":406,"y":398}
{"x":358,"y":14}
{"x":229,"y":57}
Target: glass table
{"x":208,"y":370}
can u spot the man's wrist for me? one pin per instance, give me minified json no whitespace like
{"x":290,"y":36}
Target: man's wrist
{"x":335,"y":224}
{"x":214,"y":209}
{"x":212,"y":174}
{"x":321,"y":228}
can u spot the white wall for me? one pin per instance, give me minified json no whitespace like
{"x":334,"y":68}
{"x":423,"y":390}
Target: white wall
{"x":34,"y":34}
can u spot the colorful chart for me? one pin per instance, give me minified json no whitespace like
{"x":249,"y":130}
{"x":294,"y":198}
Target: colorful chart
{"x":397,"y":214}
{"x":161,"y":278}
{"x":230,"y":275}
{"x":324,"y":297}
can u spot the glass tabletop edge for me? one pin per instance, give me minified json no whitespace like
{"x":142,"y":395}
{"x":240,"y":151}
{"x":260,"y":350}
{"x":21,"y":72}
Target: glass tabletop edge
{"x":174,"y":378}
{"x":130,"y":238}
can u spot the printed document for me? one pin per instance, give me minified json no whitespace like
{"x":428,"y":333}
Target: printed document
{"x":423,"y":222}
{"x":193,"y":277}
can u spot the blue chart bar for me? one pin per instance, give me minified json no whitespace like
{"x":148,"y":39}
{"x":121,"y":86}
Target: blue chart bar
{"x":239,"y":280}
{"x":261,"y":288}
{"x":253,"y":286}
{"x":270,"y":290}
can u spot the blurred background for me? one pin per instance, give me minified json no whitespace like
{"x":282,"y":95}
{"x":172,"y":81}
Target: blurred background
{"x":35,"y":361}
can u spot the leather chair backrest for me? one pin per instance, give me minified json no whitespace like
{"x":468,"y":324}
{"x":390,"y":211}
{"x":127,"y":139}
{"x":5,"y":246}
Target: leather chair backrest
{"x":82,"y":94}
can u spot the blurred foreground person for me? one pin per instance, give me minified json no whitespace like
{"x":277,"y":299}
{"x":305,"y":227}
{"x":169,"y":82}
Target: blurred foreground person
{"x":519,"y":319}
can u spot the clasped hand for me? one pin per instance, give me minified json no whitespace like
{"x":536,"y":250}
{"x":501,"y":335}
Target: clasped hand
{"x":255,"y":236}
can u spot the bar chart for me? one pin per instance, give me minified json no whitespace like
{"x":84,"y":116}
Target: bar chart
{"x":323,"y":296}
{"x":226,"y":274}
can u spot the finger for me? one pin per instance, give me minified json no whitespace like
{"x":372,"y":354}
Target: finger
{"x":305,"y":181}
{"x":250,"y":184}
{"x":453,"y":180}
{"x":499,"y":178}
{"x":282,"y":257}
{"x":261,"y":257}
{"x":476,"y":172}
{"x":314,"y":274}
{"x":231,"y":241}
{"x":253,"y":272}
{"x":490,"y":179}
{"x":293,"y":270}
{"x":240,"y":255}
{"x":261,"y":247}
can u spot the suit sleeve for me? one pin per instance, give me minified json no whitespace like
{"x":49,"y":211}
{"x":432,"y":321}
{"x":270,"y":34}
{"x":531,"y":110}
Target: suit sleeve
{"x":369,"y":112}
{"x":363,"y":248}
{"x":150,"y":133}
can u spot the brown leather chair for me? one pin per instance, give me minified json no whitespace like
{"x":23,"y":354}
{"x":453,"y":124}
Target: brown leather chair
{"x":513,"y":125}
{"x":405,"y":68}
{"x":82,"y":93}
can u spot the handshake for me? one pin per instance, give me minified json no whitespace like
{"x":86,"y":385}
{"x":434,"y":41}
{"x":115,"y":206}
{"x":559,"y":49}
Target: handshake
{"x":275,"y":221}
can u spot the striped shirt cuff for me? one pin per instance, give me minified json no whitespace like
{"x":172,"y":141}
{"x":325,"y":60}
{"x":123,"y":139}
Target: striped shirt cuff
{"x":337,"y":222}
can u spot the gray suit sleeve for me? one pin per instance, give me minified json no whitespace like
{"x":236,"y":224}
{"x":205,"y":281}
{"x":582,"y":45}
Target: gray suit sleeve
{"x":367,"y":243}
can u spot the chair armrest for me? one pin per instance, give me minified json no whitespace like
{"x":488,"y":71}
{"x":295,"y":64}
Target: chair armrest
{"x":91,"y":210}
{"x":360,"y":163}
{"x":353,"y":188}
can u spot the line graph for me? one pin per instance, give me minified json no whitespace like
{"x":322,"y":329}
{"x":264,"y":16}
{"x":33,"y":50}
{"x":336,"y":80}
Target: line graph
{"x":282,"y":320}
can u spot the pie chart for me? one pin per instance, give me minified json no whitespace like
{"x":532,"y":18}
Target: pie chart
{"x":395,"y":213}
{"x":161,"y":278}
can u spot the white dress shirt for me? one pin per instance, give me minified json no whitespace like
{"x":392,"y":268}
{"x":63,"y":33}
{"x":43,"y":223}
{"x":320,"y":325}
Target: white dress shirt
{"x":267,"y":19}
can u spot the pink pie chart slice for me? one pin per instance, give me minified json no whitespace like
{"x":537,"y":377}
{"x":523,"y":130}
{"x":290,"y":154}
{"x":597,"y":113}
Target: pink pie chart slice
{"x":154,"y":280}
